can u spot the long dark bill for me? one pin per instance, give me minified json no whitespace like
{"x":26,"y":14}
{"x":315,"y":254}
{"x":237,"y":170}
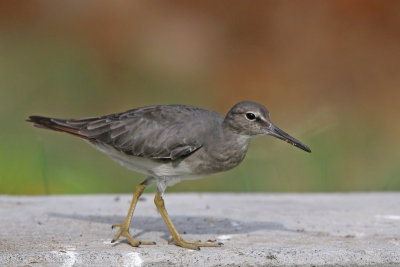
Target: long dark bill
{"x":278,"y":133}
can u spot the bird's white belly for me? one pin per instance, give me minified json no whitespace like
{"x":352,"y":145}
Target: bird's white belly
{"x":154,"y":168}
{"x":166,"y":170}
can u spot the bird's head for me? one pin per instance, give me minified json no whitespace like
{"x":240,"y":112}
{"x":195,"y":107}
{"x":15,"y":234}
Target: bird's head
{"x":252,"y":119}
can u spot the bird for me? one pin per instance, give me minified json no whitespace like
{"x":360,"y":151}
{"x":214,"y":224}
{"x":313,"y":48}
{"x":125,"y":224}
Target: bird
{"x":171,"y":143}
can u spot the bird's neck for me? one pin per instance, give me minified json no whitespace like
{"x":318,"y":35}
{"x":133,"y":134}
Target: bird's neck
{"x":231,"y":148}
{"x":233,"y":137}
{"x":237,"y":141}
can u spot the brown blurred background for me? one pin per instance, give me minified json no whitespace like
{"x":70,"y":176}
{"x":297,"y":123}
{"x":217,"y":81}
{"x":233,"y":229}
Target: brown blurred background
{"x":329,"y":72}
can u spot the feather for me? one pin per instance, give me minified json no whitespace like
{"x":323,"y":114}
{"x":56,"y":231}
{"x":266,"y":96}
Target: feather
{"x":158,"y":132}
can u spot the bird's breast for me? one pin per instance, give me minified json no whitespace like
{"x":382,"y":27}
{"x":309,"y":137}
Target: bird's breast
{"x":219,"y":157}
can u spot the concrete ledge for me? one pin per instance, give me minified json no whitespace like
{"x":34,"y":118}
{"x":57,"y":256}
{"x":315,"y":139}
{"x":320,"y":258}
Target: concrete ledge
{"x":257,"y":229}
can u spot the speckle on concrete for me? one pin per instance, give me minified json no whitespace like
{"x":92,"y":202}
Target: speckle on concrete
{"x":256,"y":229}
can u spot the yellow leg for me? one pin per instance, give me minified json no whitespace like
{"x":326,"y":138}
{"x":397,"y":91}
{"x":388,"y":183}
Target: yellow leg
{"x":124,"y":227}
{"x":176,"y":237}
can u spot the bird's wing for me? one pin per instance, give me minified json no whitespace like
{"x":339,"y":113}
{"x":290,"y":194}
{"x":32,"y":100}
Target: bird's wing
{"x":159,"y":132}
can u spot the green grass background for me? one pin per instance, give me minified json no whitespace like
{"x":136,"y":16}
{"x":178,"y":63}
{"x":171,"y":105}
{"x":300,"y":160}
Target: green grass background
{"x":338,"y":93}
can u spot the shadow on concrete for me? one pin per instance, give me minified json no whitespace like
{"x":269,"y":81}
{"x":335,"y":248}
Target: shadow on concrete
{"x":184,"y":224}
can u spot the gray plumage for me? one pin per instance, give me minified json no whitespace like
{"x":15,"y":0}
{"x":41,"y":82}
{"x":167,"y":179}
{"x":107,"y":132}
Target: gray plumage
{"x":173,"y":142}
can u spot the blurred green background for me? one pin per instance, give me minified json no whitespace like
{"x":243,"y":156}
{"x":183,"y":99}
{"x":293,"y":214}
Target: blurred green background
{"x":329,"y":72}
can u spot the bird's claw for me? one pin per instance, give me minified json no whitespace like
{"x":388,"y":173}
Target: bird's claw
{"x":124,"y":231}
{"x":193,"y":245}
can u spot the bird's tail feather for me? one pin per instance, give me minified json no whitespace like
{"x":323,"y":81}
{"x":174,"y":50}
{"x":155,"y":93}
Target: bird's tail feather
{"x":62,"y":125}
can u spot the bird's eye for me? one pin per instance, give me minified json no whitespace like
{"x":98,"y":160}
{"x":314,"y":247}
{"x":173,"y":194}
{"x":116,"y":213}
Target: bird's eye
{"x":250,"y":116}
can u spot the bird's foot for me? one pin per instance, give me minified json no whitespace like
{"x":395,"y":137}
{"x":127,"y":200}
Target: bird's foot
{"x":193,"y":245}
{"x":124,"y":231}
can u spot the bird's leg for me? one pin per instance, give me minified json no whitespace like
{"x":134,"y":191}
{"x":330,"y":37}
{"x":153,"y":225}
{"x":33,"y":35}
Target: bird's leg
{"x":124,"y":227}
{"x":176,"y":237}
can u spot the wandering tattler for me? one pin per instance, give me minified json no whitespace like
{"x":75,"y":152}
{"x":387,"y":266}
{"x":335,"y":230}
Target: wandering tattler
{"x":171,"y":143}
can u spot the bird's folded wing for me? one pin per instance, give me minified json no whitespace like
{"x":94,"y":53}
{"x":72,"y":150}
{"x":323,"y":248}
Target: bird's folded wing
{"x":148,"y":132}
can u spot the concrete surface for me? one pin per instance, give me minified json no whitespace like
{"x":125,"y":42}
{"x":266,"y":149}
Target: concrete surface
{"x":257,"y":229}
